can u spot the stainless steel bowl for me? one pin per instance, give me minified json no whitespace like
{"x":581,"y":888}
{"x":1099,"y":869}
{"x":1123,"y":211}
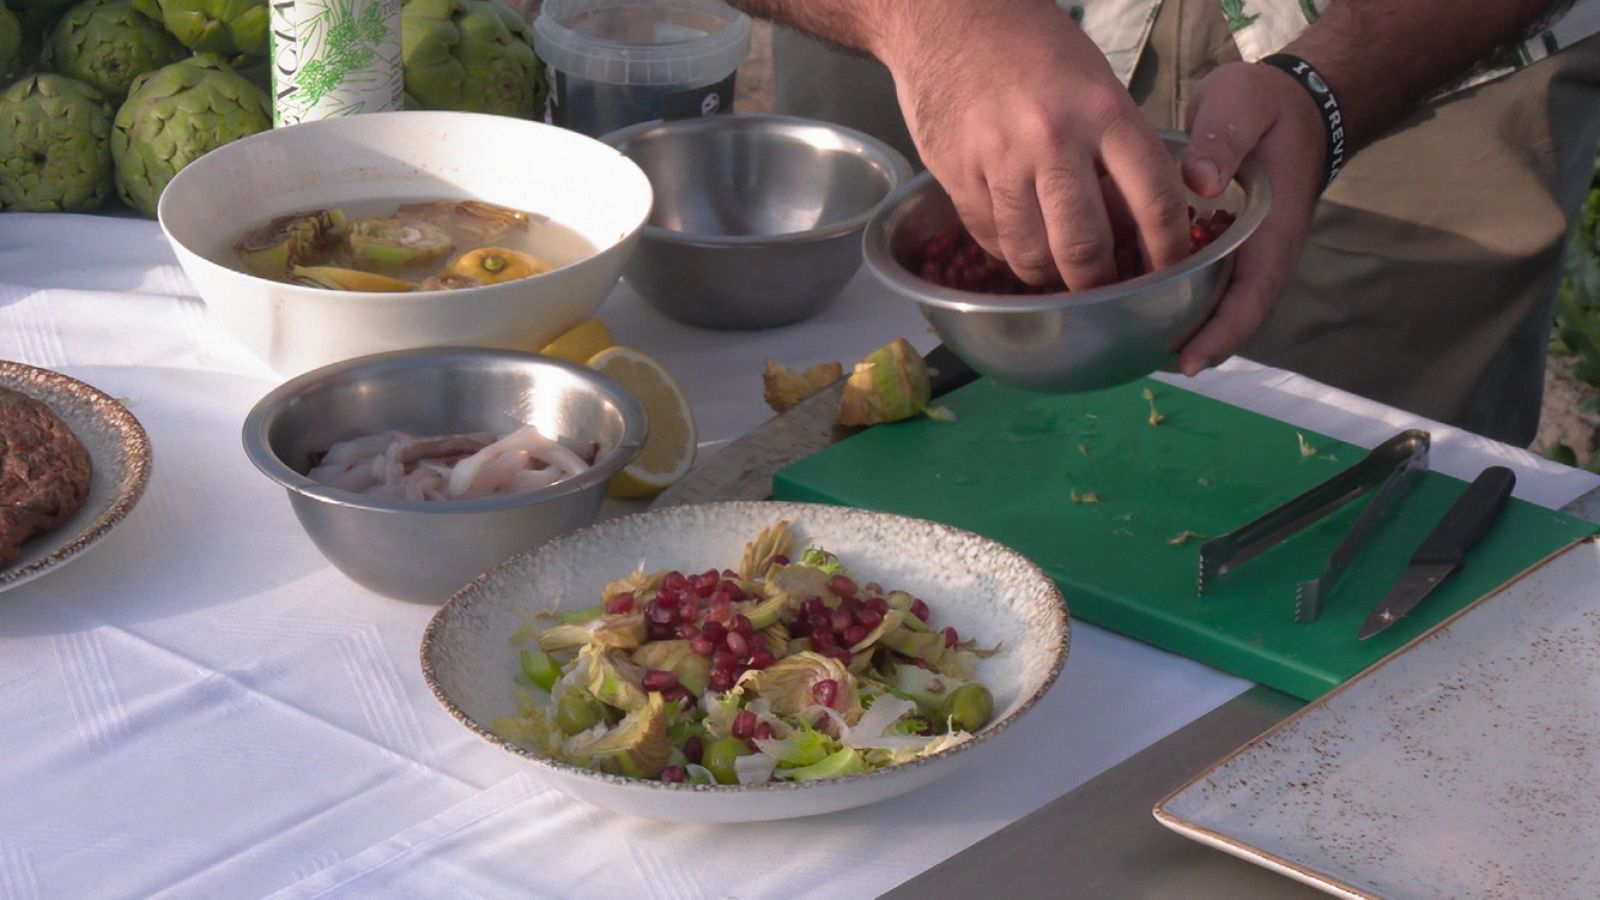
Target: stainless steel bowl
{"x":426,"y":550}
{"x":757,"y":219}
{"x":1069,"y":341}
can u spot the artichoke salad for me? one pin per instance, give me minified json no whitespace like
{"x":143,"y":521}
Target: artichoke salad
{"x":778,"y":671}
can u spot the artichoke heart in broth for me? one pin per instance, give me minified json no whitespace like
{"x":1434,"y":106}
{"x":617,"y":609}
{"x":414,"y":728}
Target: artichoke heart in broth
{"x":426,"y":245}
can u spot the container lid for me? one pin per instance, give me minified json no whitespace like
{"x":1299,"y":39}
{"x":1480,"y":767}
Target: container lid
{"x":656,"y":42}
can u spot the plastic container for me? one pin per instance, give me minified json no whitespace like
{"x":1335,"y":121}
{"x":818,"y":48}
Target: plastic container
{"x":616,"y":63}
{"x":334,"y":58}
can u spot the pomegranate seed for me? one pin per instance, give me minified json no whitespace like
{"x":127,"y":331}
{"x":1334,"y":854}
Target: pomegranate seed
{"x":872,"y":588}
{"x":855,"y":633}
{"x":763,"y":732}
{"x":813,"y":605}
{"x":738,"y":645}
{"x":721,"y":680}
{"x":761,"y":659}
{"x":667,"y":600}
{"x":689,"y":608}
{"x":659,"y":680}
{"x":780,"y":560}
{"x":694,"y":748}
{"x":719,"y":612}
{"x":704,"y":583}
{"x":825,"y":691}
{"x":724,"y":661}
{"x":741,"y":624}
{"x":919,"y":609}
{"x":839,"y":620}
{"x":720,"y":596}
{"x":716,"y":631}
{"x":822,"y":640}
{"x":1198,"y":235}
{"x":869,"y":617}
{"x":621,"y":603}
{"x":733,"y":589}
{"x":702,"y":645}
{"x":799,"y":628}
{"x":878,"y":605}
{"x":659,"y":613}
{"x":679,"y":695}
{"x":674,"y":774}
{"x":686,"y":631}
{"x":842,"y":586}
{"x":744,"y":724}
{"x":657,"y":632}
{"x":951,"y":638}
{"x":675,"y":580}
{"x":842,"y":655}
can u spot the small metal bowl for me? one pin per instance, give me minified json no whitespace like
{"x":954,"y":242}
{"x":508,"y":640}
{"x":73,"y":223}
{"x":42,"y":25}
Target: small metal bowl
{"x":757,"y":218}
{"x":426,"y":550}
{"x":1068,"y":341}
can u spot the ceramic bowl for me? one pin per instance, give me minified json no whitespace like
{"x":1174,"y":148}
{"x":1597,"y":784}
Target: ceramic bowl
{"x":371,"y":163}
{"x":986,"y":590}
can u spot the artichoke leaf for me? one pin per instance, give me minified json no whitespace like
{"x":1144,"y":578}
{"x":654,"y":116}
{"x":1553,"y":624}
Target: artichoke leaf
{"x":775,"y":540}
{"x":891,"y":621}
{"x":613,"y":678}
{"x":692,"y":670}
{"x":622,"y":630}
{"x":801,"y":583}
{"x":638,"y":745}
{"x":637,"y":584}
{"x":787,"y":684}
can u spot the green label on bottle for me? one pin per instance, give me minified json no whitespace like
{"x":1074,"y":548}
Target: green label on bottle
{"x":334,"y":58}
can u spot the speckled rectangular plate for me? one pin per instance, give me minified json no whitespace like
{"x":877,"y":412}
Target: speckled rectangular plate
{"x":1466,"y":764}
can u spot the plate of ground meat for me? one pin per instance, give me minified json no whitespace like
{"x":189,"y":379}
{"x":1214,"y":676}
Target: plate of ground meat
{"x":73,"y":462}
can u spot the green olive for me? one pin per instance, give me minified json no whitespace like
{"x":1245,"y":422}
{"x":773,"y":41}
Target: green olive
{"x":578,"y":711}
{"x":719,"y":759}
{"x":969,"y":707}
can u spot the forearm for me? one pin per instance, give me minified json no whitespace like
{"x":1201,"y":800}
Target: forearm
{"x":1382,"y":59}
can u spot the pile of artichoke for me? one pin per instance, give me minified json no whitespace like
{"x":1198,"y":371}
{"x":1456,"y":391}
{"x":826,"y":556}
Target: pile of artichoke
{"x":103,"y":97}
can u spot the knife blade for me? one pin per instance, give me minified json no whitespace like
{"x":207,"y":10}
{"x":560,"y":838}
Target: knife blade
{"x":743,"y":469}
{"x":1445,"y":548}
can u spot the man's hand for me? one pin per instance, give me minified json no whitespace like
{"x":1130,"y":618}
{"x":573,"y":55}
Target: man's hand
{"x":1019,"y":117}
{"x":1242,"y":110}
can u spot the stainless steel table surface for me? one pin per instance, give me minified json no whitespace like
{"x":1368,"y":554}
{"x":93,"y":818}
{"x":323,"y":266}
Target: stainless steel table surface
{"x":1101,"y":840}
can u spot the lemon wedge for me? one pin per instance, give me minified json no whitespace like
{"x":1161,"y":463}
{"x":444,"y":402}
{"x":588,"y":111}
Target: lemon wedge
{"x":669,"y":449}
{"x":580,"y":343}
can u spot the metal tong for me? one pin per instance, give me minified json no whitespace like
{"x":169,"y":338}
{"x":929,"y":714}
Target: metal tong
{"x":1387,"y":468}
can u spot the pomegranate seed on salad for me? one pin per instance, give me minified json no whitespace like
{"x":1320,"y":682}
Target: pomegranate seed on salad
{"x":676,"y":676}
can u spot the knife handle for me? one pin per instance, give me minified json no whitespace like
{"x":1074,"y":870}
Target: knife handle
{"x":949,"y":371}
{"x":1468,"y":520}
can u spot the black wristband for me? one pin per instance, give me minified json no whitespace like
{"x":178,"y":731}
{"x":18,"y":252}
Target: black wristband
{"x":1327,"y":104}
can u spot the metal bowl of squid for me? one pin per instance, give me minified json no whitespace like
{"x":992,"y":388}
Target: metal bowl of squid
{"x":425,"y":550}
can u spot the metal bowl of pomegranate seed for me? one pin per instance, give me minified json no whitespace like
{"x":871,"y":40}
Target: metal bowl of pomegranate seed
{"x":518,"y":655}
{"x":1055,"y":340}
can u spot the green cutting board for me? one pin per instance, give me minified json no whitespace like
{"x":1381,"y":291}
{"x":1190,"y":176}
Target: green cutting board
{"x":1011,"y":463}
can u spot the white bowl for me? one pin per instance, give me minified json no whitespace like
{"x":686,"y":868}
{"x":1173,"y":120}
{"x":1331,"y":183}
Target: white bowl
{"x":986,"y":590}
{"x":403,"y":156}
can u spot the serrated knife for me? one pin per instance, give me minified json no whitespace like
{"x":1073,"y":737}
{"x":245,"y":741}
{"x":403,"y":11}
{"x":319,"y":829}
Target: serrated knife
{"x":1445,"y":548}
{"x":743,"y":469}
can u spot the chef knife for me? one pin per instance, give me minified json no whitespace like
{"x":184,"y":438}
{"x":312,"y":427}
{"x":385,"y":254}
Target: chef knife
{"x":1445,"y":548}
{"x":743,"y":469}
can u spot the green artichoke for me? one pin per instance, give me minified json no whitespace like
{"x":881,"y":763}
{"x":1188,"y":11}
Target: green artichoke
{"x":105,"y":44}
{"x":175,"y":115}
{"x":10,"y":45}
{"x":473,"y":55}
{"x":226,"y":27}
{"x":54,"y":147}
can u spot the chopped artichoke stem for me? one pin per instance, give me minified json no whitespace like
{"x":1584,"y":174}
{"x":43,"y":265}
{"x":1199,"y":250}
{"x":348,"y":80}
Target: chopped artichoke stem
{"x":540,"y":668}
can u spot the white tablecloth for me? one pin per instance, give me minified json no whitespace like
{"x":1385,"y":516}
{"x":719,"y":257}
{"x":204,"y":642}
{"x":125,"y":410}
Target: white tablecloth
{"x":202,"y":706}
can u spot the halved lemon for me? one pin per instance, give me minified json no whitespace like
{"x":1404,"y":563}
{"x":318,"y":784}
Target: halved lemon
{"x":580,"y":343}
{"x":669,"y":449}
